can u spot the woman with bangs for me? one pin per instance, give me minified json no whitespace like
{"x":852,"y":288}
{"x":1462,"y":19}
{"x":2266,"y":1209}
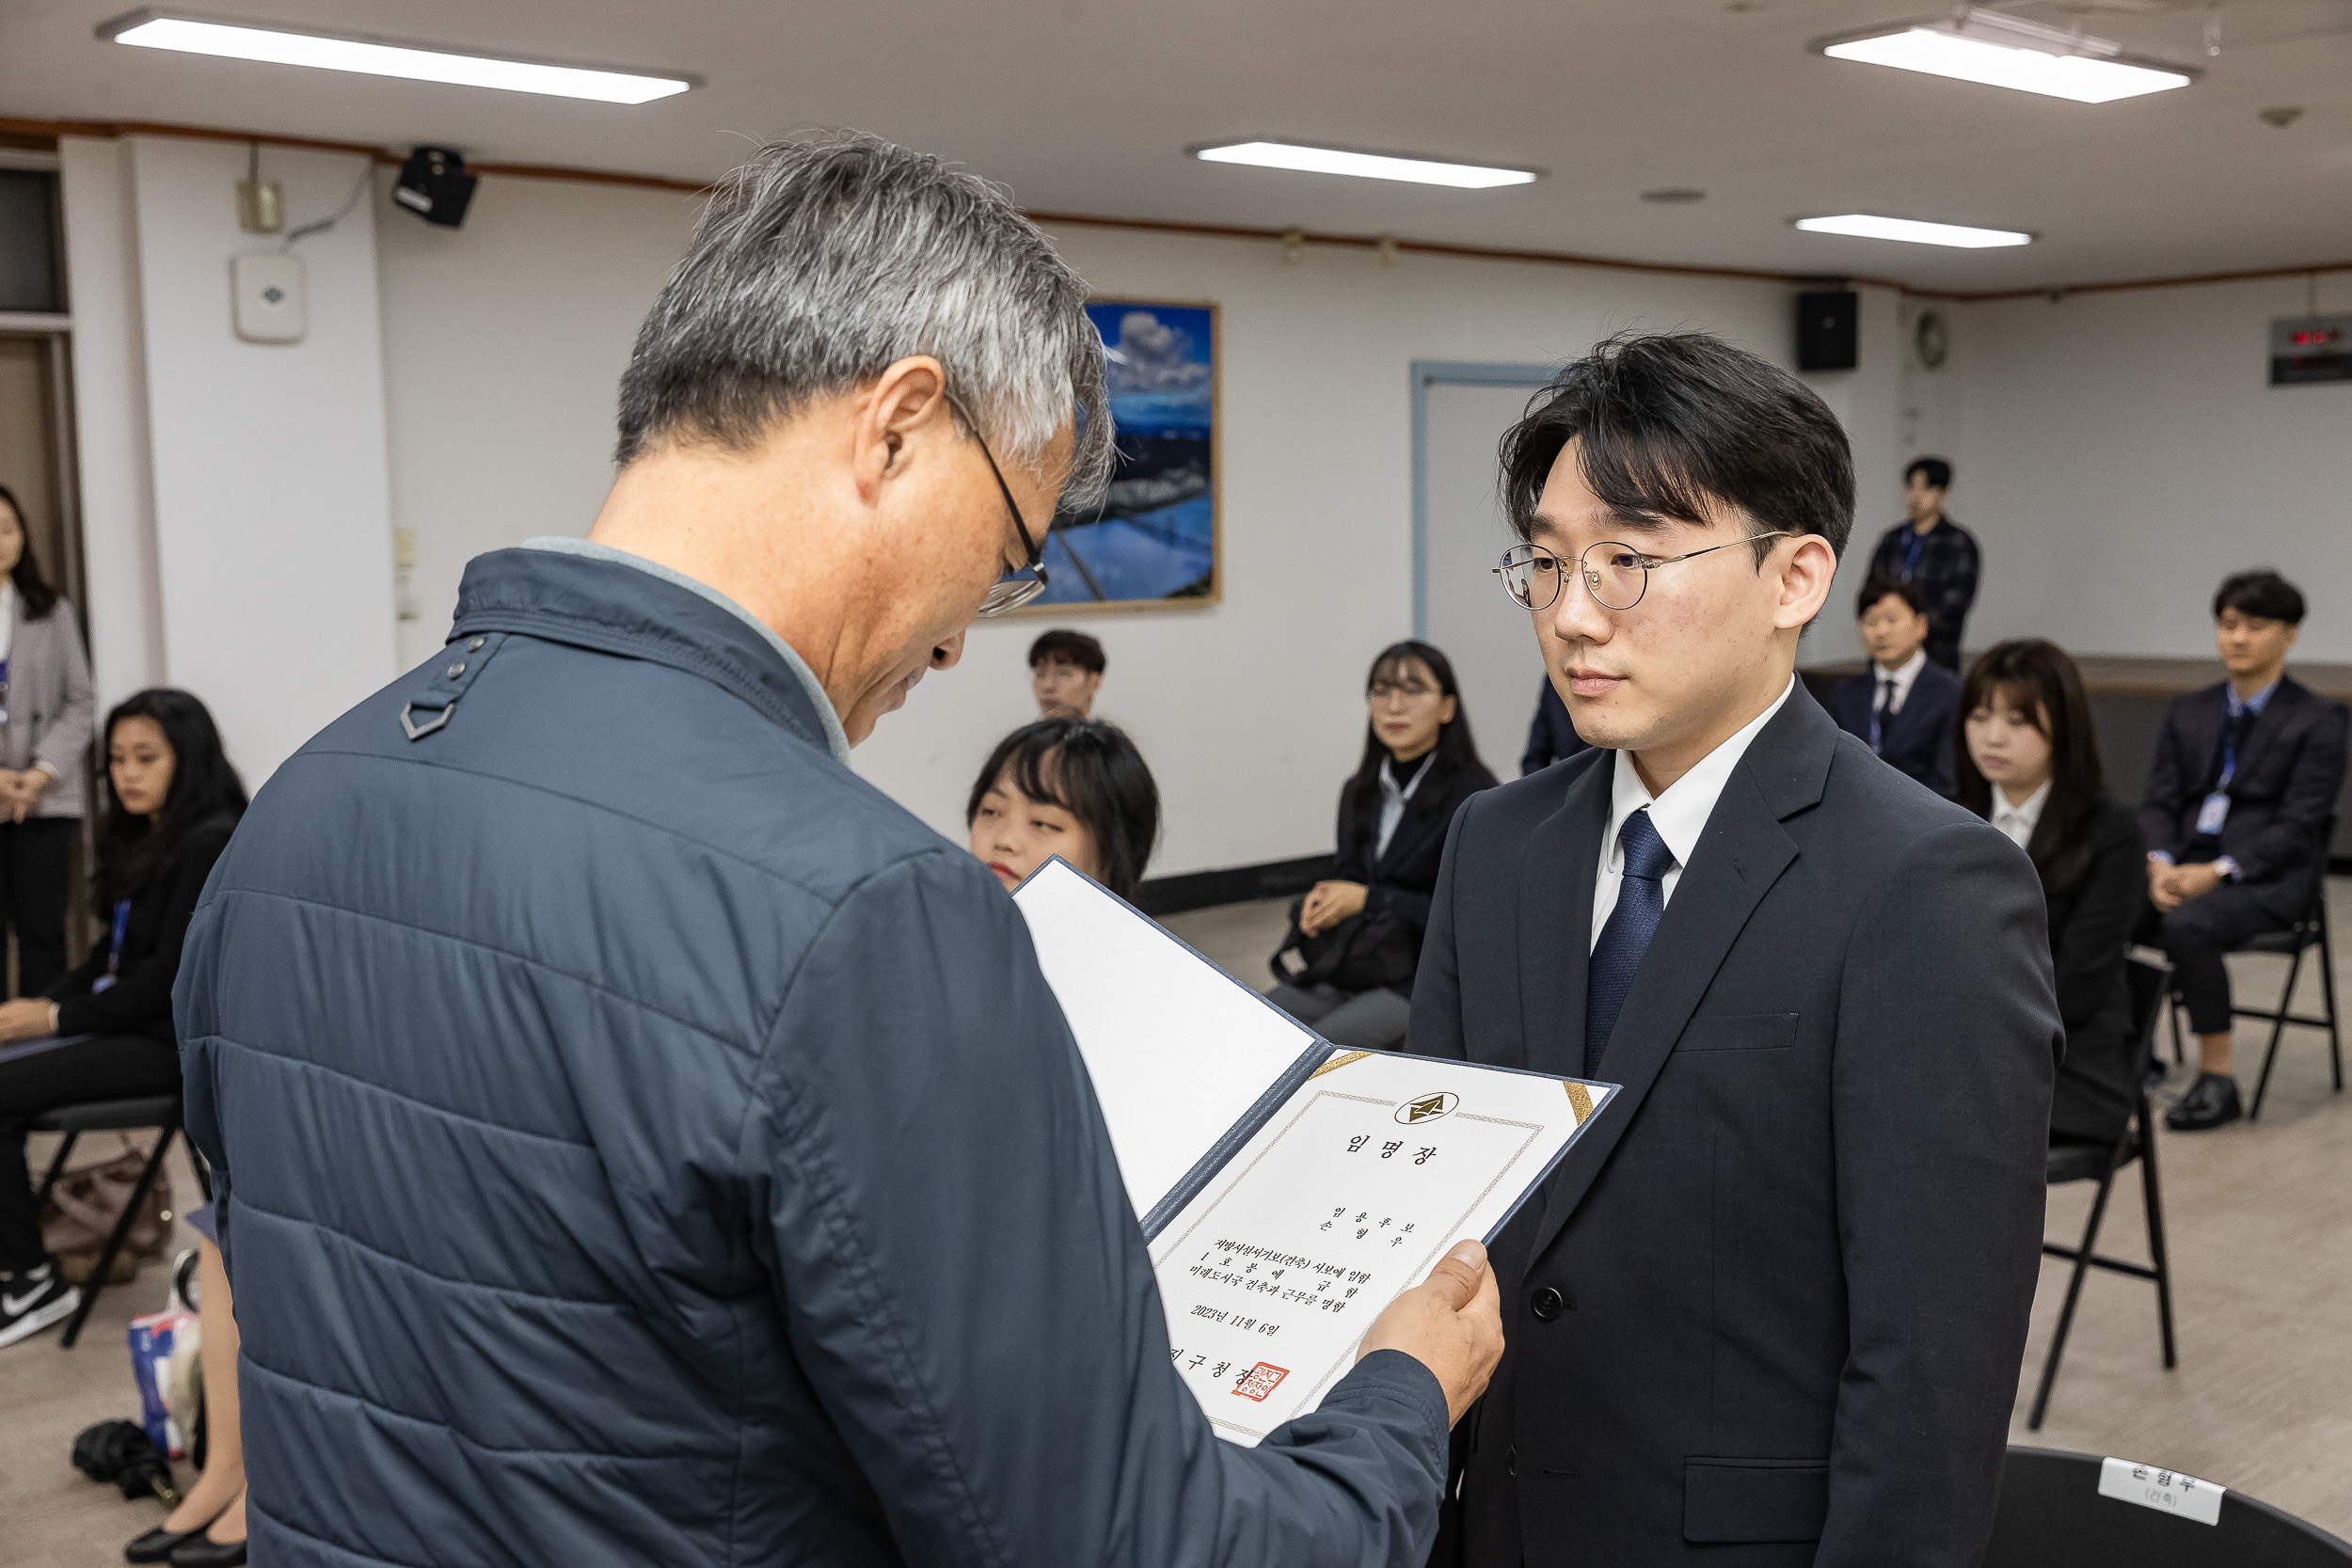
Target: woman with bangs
{"x":1346,"y":969}
{"x":1068,"y":787}
{"x":2027,"y":761}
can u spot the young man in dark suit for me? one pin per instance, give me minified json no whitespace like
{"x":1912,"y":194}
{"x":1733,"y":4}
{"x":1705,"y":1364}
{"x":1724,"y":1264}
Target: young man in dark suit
{"x":1906,"y":707}
{"x":2245,"y":777}
{"x":1770,"y":1310}
{"x":1938,"y":555}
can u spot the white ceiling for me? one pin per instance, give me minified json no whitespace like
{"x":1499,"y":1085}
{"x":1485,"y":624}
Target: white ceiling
{"x":1087,"y":105}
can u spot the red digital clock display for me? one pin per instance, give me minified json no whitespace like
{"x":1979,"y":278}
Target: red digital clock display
{"x":2324,"y":337}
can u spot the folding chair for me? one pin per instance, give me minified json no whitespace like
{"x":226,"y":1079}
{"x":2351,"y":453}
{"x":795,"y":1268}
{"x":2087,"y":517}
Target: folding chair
{"x":2078,"y":1160}
{"x":2052,"y":1515}
{"x":114,"y":1115}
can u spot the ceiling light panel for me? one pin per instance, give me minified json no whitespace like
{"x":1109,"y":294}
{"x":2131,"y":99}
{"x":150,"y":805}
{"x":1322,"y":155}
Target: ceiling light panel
{"x":1869,"y":226}
{"x":279,"y":45}
{"x":1363,"y":165}
{"x":2004,"y":52}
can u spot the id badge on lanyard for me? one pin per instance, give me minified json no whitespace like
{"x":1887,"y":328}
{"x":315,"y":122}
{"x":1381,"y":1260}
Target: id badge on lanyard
{"x":114,"y":954}
{"x":2211,"y":814}
{"x":4,"y":690}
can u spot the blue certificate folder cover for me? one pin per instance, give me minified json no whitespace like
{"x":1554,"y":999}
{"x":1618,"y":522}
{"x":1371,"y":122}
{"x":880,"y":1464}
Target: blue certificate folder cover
{"x":1090,"y":935}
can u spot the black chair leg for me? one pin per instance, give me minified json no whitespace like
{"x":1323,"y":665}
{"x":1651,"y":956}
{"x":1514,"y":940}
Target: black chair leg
{"x":2328,"y":988}
{"x":2278,"y":1027}
{"x":56,"y":1168}
{"x":2152,"y":1194}
{"x":121,"y":1232}
{"x":2172,"y":1005}
{"x":2074,"y":1295}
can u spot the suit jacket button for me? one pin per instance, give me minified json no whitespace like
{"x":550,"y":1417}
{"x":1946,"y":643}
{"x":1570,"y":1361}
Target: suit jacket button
{"x":1547,"y":1304}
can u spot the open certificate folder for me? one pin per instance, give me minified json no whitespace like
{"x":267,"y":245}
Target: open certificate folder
{"x":1288,"y":1189}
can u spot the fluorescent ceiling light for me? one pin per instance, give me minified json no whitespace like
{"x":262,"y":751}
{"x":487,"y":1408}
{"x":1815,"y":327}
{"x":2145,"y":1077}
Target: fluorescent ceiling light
{"x":1868,"y":226}
{"x":2005,"y":52}
{"x":1366,"y":166}
{"x":278,"y":45}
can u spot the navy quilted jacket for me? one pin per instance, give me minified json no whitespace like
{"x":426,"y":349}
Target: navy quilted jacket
{"x":643,"y":1143}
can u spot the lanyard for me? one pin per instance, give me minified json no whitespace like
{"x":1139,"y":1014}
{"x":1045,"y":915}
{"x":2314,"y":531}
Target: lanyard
{"x":114,"y":954}
{"x":4,"y":690}
{"x":2233,"y":726}
{"x":1911,"y":553}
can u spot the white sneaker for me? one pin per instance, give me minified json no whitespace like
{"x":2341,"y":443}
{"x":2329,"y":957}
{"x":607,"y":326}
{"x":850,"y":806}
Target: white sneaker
{"x":33,"y":1299}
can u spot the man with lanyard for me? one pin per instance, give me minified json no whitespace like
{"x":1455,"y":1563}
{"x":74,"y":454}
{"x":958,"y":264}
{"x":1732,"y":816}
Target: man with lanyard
{"x":2244,"y":778}
{"x":1936,"y":554}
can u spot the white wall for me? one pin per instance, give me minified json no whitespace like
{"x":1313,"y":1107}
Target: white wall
{"x":238,"y":536}
{"x":504,"y":345}
{"x":2122,"y":452}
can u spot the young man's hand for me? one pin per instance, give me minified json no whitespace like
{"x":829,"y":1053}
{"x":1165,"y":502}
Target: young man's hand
{"x":1451,"y":1322}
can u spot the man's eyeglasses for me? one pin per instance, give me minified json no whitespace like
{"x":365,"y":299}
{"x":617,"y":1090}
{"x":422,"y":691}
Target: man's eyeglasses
{"x":1617,"y":575}
{"x":1015,"y":590}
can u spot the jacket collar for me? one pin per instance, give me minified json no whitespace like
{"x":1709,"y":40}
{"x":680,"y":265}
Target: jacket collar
{"x":592,"y":596}
{"x":1741,"y":853}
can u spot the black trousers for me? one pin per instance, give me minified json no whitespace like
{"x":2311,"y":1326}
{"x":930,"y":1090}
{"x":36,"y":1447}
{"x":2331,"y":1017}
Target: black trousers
{"x":36,"y":862}
{"x":2196,"y":934}
{"x":106,"y":1066}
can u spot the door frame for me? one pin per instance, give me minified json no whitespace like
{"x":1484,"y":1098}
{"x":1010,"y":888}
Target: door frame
{"x":1449,"y":372}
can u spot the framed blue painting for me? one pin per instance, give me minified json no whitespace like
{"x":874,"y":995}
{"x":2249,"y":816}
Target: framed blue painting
{"x":1152,"y":539}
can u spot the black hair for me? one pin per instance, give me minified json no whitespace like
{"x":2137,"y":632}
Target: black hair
{"x":1071,"y":648}
{"x":1668,"y":422}
{"x":2262,"y":594}
{"x":1889,"y":588}
{"x":31,"y":587}
{"x":1938,"y":472}
{"x":2042,"y":681}
{"x":1454,"y":752}
{"x":1091,"y":769}
{"x":204,"y":787}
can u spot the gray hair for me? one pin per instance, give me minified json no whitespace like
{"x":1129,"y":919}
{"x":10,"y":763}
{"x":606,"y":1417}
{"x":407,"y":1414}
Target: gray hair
{"x":821,"y":262}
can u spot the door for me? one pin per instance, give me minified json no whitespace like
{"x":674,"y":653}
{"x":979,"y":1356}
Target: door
{"x":1461,"y":412}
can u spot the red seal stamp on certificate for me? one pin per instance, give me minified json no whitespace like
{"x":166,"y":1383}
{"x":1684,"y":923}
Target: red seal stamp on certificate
{"x":1259,"y":1381}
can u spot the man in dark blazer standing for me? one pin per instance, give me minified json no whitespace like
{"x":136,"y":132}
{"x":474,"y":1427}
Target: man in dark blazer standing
{"x":1905,"y":706}
{"x":1771,"y":1309}
{"x":2245,"y":777}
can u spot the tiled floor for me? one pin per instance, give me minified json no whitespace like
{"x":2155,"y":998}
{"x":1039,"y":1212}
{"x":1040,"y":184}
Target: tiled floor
{"x":2262,"y":1247}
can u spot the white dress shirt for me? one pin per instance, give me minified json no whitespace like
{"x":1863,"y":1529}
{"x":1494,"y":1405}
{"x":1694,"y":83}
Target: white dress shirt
{"x":1680,"y":815}
{"x":1392,"y":801}
{"x":2018,"y":821}
{"x":1902,"y":679}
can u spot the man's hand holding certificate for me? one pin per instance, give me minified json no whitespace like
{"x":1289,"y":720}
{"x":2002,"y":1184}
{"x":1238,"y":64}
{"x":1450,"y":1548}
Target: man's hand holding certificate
{"x":1302,"y":1203}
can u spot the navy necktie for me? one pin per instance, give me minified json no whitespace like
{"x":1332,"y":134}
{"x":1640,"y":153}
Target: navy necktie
{"x":1884,"y":711}
{"x":1641,"y":899}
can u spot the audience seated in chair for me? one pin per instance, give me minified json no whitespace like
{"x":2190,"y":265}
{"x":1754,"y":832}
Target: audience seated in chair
{"x":1905,"y":704}
{"x":2245,"y":777}
{"x":1066,"y":674}
{"x":1347,"y":967}
{"x":2031,"y":768}
{"x":207,"y":1530}
{"x":171,"y":804}
{"x":1068,"y":787}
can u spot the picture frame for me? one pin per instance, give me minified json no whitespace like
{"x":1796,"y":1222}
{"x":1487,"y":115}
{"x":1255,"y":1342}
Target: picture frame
{"x":1155,"y":539}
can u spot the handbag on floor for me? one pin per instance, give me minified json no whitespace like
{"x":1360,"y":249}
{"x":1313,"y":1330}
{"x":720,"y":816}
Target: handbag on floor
{"x":86,"y":1205}
{"x":1362,"y":953}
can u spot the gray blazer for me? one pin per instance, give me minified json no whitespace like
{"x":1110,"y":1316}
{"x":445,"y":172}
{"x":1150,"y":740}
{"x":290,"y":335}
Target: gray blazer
{"x":49,"y":705}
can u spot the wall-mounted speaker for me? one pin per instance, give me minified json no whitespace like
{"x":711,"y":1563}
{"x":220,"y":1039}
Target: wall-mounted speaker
{"x":1828,"y":331}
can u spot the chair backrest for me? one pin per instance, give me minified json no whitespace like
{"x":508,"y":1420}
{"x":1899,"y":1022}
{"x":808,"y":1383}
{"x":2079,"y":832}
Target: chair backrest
{"x":2147,"y":984}
{"x":2052,"y":1515}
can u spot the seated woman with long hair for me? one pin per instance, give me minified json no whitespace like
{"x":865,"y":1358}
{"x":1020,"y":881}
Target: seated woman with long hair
{"x":1419,"y":765}
{"x":2028,"y":763}
{"x":1068,"y":787}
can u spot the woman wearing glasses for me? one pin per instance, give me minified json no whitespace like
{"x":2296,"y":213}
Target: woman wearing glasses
{"x":1347,"y":967}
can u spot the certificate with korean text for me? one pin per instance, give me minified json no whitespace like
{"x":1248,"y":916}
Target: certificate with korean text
{"x":1288,"y":1189}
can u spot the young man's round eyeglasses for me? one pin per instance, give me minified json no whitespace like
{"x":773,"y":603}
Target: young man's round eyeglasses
{"x":1617,"y":575}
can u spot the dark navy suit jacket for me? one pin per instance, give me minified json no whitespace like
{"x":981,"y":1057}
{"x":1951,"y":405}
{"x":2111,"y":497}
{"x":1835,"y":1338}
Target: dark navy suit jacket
{"x":1769,"y":1310}
{"x":1919,"y":739}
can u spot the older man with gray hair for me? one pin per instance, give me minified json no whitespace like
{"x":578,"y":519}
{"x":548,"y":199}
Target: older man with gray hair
{"x":640,"y":1140}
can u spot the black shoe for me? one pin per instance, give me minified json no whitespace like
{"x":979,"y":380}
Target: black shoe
{"x":2211,"y":1101}
{"x":157,"y":1544}
{"x":32,"y":1299}
{"x":201,"y":1551}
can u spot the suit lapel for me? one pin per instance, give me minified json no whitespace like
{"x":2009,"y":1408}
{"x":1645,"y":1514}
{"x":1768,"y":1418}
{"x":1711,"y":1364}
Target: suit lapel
{"x":1412,"y":833}
{"x":1743,"y":852}
{"x":1555,"y":923}
{"x":2277,"y":715}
